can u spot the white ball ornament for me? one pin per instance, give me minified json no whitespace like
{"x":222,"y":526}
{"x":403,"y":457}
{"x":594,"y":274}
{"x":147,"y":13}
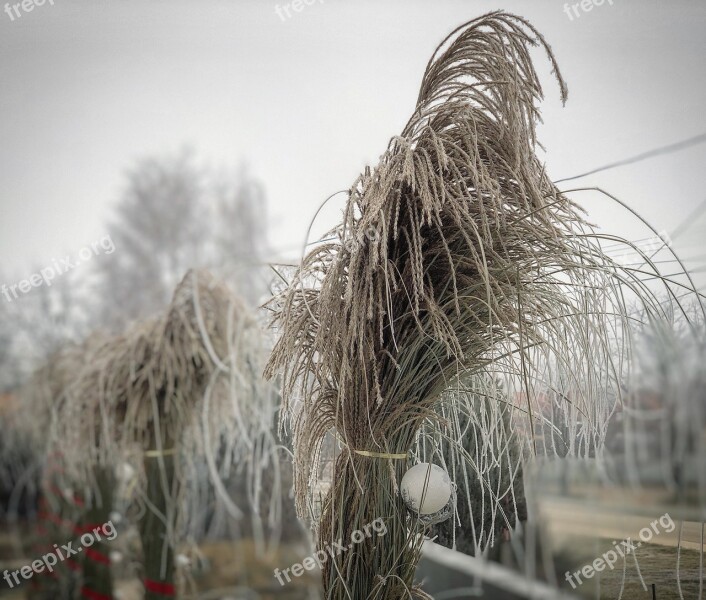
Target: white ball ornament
{"x":125,"y":471}
{"x":430,"y":498}
{"x":182,"y":560}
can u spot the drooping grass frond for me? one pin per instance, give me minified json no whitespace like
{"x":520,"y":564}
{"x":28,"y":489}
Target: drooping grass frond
{"x":456,"y":254}
{"x":183,"y":388}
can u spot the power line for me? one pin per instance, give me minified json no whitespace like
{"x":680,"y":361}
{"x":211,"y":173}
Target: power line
{"x":692,"y":141}
{"x":687,"y":143}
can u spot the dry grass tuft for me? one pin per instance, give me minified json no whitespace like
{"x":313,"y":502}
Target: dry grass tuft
{"x":478,"y":264}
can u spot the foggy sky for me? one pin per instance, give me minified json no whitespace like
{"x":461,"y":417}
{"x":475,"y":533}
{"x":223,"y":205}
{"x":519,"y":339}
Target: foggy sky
{"x":88,"y":87}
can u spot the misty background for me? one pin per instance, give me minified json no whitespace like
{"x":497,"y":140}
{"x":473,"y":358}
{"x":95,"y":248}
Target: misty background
{"x":210,"y":133}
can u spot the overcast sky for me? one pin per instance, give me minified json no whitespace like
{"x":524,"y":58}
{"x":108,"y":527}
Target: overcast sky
{"x":87,"y":87}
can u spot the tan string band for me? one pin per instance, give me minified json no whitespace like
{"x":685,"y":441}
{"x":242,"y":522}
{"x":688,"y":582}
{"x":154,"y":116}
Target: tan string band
{"x":380,"y":454}
{"x":158,"y":453}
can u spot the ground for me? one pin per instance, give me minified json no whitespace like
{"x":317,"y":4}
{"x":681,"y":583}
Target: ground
{"x":225,"y":568}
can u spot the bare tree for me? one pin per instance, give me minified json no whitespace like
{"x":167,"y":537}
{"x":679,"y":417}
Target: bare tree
{"x":156,"y":230}
{"x":8,"y":360}
{"x":241,"y":235}
{"x":175,"y":215}
{"x":35,"y":325}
